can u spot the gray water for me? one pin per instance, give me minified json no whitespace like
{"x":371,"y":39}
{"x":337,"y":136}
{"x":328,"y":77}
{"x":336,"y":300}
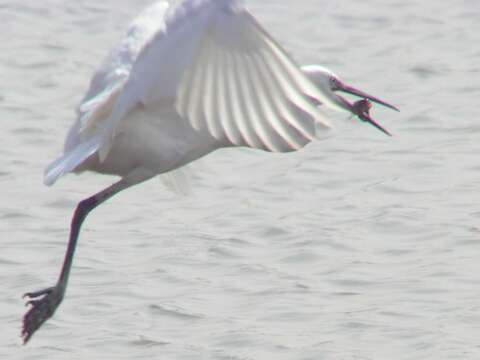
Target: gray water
{"x":358,"y":247}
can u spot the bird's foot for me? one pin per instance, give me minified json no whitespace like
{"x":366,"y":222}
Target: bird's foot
{"x":42,"y":304}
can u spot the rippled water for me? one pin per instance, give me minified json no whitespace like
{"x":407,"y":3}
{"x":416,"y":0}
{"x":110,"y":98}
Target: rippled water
{"x":357,"y":247}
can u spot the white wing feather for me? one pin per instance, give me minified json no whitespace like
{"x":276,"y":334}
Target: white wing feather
{"x":109,"y":79}
{"x":83,"y":140}
{"x":224,"y":73}
{"x":216,"y":65}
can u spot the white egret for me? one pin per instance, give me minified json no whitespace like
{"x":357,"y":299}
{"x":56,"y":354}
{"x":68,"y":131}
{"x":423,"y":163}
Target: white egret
{"x":183,"y":82}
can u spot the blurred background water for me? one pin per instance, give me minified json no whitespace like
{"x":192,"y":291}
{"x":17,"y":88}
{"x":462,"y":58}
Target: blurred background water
{"x":357,"y":247}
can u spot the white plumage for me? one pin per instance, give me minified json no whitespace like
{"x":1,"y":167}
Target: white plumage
{"x":197,"y":77}
{"x":183,"y":82}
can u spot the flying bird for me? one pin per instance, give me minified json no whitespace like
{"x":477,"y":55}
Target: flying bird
{"x":185,"y":81}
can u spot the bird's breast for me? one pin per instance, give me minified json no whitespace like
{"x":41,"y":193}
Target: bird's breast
{"x":156,"y":139}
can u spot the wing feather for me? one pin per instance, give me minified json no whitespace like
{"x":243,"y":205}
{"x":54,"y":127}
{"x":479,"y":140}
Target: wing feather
{"x":212,"y":62}
{"x":189,"y":97}
{"x":280,"y":137}
{"x":307,"y":86}
{"x":105,"y":88}
{"x":238,"y":110}
{"x":302,"y":124}
{"x":209,"y":53}
{"x":263,"y":88}
{"x":247,"y":83}
{"x":226,"y":114}
{"x":211,"y":96}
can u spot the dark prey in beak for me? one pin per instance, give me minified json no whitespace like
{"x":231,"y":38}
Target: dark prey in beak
{"x":361,"y":108}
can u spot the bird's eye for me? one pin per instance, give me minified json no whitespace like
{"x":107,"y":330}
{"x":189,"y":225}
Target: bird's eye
{"x":333,"y":82}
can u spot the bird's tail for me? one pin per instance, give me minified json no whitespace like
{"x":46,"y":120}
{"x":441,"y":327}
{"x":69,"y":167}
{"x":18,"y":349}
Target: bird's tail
{"x":70,"y":160}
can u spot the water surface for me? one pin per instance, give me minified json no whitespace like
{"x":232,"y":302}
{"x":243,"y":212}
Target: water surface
{"x":357,"y":247}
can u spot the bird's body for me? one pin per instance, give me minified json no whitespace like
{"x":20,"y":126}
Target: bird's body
{"x":156,"y":141}
{"x":182,"y":83}
{"x":138,"y":109}
{"x":153,"y":137}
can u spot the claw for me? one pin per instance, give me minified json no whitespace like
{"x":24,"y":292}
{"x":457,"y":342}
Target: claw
{"x":36,"y":294}
{"x":43,"y":304}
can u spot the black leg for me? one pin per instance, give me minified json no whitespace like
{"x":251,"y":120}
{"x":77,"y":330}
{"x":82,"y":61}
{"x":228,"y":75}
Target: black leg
{"x":43,"y":303}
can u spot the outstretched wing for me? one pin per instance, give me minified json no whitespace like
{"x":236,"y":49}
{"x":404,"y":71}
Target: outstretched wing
{"x":244,"y":88}
{"x":224,"y":73}
{"x":213,"y":62}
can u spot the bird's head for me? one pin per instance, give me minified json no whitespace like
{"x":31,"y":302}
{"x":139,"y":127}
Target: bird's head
{"x":330,"y":84}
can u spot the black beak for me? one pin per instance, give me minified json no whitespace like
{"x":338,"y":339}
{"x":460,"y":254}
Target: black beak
{"x":351,"y":90}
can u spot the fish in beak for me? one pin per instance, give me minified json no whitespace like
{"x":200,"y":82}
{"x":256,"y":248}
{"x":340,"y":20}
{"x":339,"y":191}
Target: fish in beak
{"x":360,"y":108}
